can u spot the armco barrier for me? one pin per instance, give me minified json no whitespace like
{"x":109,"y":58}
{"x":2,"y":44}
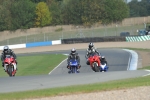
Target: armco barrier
{"x":47,"y":43}
{"x":16,"y":46}
{"x":35,"y":44}
{"x":55,"y":42}
{"x":92,"y":39}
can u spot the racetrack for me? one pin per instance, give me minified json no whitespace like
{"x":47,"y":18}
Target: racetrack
{"x":112,"y":55}
{"x":118,"y":62}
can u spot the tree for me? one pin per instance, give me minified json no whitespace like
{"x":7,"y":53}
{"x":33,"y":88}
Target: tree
{"x":22,"y":13}
{"x":43,"y":15}
{"x":88,"y":12}
{"x":114,"y":11}
{"x":92,"y":11}
{"x":138,"y":9}
{"x":55,"y":8}
{"x":5,"y":15}
{"x":72,"y":12}
{"x":37,"y":1}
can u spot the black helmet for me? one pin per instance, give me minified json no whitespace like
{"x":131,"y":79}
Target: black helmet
{"x":73,"y":51}
{"x":103,"y":57}
{"x":91,"y":45}
{"x":5,"y":48}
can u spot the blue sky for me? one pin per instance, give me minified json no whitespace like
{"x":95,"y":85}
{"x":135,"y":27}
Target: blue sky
{"x":131,"y":0}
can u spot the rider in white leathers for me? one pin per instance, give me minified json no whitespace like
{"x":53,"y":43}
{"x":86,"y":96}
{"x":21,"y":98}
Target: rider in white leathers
{"x":89,"y":51}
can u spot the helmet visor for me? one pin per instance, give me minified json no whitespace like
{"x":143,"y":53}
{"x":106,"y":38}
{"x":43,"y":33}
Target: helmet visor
{"x":73,"y":52}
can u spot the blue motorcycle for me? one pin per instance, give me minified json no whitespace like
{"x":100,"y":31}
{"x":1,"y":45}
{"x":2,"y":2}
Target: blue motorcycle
{"x":103,"y":67}
{"x":73,"y":66}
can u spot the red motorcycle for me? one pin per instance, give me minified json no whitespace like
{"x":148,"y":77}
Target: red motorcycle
{"x":10,"y":65}
{"x":95,"y":62}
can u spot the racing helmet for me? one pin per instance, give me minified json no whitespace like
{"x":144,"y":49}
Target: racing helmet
{"x":73,"y":51}
{"x":103,"y":58}
{"x":91,"y":45}
{"x":5,"y":49}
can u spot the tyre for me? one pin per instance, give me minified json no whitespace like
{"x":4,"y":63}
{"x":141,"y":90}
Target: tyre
{"x":73,"y":69}
{"x":96,"y":67}
{"x":10,"y":70}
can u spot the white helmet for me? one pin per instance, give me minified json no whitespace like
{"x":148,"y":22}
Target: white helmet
{"x":73,"y":51}
{"x":6,"y":48}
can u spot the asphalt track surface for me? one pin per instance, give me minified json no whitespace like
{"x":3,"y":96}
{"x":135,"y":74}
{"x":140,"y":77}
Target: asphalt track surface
{"x":118,"y":61}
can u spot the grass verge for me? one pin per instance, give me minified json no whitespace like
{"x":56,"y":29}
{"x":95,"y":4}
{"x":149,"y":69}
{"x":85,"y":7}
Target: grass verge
{"x":36,"y":64}
{"x":145,"y":68}
{"x":97,"y":87}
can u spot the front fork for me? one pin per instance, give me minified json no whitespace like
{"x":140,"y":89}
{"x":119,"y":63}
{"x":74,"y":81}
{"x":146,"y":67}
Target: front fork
{"x":5,"y":66}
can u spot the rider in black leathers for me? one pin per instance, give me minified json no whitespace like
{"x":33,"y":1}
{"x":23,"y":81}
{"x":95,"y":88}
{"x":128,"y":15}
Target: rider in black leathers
{"x":7,"y":51}
{"x":73,"y":55}
{"x":103,"y":60}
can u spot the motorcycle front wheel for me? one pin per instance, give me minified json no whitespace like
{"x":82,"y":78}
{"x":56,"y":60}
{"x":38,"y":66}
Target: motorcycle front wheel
{"x":10,"y":70}
{"x":96,"y":67}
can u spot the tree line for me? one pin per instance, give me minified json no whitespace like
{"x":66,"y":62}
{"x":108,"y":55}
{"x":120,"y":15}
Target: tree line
{"x":25,"y":14}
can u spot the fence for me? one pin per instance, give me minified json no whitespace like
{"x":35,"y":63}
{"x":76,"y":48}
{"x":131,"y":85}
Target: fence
{"x":68,"y":31}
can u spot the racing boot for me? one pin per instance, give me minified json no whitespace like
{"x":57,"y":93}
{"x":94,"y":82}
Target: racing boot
{"x":88,"y":63}
{"x":79,"y":66}
{"x":69,"y":71}
{"x":5,"y":70}
{"x":69,"y":68}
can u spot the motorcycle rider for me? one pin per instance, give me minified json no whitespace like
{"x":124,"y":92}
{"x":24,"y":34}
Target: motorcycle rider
{"x":73,"y":55}
{"x":91,"y":49}
{"x":103,"y":60}
{"x":7,"y":51}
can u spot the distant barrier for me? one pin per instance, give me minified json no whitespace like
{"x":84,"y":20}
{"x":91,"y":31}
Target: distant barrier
{"x":93,"y":39}
{"x":80,"y":40}
{"x":35,"y":44}
{"x":16,"y":46}
{"x":137,"y":38}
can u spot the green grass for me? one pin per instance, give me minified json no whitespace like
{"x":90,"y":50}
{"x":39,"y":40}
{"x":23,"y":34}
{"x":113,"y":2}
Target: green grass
{"x":106,"y":86}
{"x":36,"y":64}
{"x":145,"y":68}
